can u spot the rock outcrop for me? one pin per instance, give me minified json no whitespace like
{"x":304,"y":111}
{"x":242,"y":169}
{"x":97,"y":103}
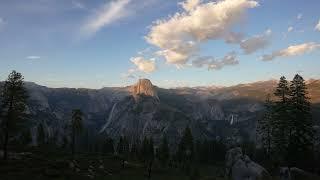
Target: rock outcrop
{"x":144,"y":87}
{"x":240,"y":166}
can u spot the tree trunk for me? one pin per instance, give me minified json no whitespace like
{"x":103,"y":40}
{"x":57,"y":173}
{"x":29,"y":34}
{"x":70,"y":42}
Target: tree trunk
{"x":73,"y":143}
{"x":6,"y":138}
{"x":150,"y":169}
{"x":5,"y":145}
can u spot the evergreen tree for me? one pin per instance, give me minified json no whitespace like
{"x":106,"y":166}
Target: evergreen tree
{"x":144,"y":149}
{"x":123,"y":149}
{"x":185,"y":151}
{"x":150,"y":156}
{"x":13,"y":106}
{"x":26,"y":137}
{"x":264,"y":126}
{"x":280,"y":121}
{"x":76,"y":127}
{"x":163,"y":153}
{"x":300,"y":130}
{"x":134,"y":150}
{"x":40,"y":135}
{"x":108,"y":147}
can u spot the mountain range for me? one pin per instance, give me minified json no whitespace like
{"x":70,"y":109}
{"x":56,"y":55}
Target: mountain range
{"x":147,"y":110}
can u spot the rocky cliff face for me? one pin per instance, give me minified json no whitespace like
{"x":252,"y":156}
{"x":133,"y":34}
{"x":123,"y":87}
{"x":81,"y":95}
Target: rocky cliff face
{"x":144,"y":87}
{"x":145,"y":110}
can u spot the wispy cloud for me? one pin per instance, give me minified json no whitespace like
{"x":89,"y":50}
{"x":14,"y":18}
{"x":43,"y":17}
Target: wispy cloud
{"x":33,"y":57}
{"x":144,"y":65}
{"x":215,"y":64}
{"x":107,"y":14}
{"x":293,"y":50}
{"x":78,"y":5}
{"x":2,"y":22}
{"x":299,"y":16}
{"x":256,"y":42}
{"x":317,"y":27}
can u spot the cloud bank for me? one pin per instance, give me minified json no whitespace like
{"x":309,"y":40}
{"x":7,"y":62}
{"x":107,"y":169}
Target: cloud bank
{"x":293,"y":50}
{"x":180,"y":36}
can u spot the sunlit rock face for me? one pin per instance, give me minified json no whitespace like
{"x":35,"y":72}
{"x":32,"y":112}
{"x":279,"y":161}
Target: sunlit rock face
{"x":144,"y":87}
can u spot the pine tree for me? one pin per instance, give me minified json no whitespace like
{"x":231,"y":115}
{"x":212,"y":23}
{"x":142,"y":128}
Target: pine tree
{"x":76,"y":127}
{"x":144,"y":149}
{"x":163,"y":153}
{"x":134,"y":150}
{"x":13,"y":107}
{"x":264,"y":126}
{"x":40,"y":135}
{"x":185,"y":151}
{"x":150,"y":156}
{"x":300,"y":130}
{"x":108,"y":147}
{"x":280,"y":121}
{"x":123,"y":150}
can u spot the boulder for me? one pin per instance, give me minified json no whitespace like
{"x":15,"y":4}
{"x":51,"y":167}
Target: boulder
{"x":241,"y":167}
{"x":296,"y":174}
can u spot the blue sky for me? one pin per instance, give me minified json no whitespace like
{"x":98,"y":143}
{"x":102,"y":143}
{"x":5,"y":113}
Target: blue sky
{"x":98,"y":43}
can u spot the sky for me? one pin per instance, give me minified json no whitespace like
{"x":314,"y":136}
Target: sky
{"x":103,"y":43}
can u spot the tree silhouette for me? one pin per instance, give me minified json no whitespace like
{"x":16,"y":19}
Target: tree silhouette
{"x":280,"y":121}
{"x":76,"y":127}
{"x":300,"y":126}
{"x":40,"y":135}
{"x":163,"y":152}
{"x":265,"y":126}
{"x":185,"y":151}
{"x":13,"y":107}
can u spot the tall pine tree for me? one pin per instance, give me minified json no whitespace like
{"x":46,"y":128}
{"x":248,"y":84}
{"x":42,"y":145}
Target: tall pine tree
{"x":163,"y":152}
{"x":185,"y":153}
{"x":13,"y":107}
{"x":300,"y":129}
{"x":264,"y":127}
{"x":280,"y":121}
{"x":76,"y":128}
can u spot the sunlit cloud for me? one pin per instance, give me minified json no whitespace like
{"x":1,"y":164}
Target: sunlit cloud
{"x":293,"y":50}
{"x":180,"y":36}
{"x":107,"y":14}
{"x":144,"y":65}
{"x":256,"y":42}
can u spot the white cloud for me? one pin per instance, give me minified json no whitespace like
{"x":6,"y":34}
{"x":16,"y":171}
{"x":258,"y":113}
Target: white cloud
{"x":2,"y":22}
{"x":129,"y":74}
{"x":317,"y":27}
{"x":180,"y":36}
{"x":228,"y":60}
{"x":256,"y":43}
{"x":293,"y":50}
{"x":290,"y":29}
{"x":299,"y":16}
{"x":234,"y":38}
{"x":33,"y":57}
{"x":78,"y":5}
{"x":109,"y":13}
{"x":189,"y":5}
{"x":143,"y":64}
{"x":215,"y":64}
